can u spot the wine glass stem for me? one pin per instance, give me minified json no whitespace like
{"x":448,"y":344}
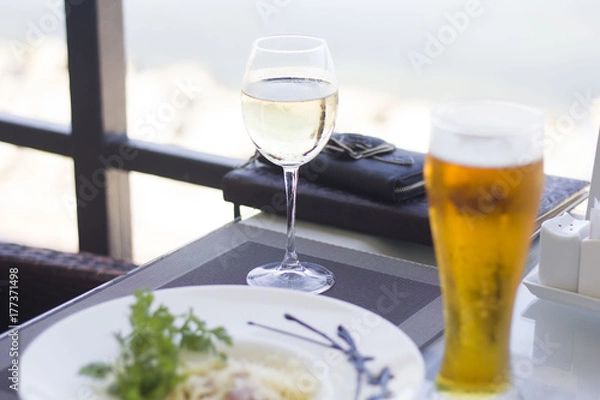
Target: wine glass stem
{"x":290,"y":177}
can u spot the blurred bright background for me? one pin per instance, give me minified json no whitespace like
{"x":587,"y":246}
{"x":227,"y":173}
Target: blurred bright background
{"x":395,"y":61}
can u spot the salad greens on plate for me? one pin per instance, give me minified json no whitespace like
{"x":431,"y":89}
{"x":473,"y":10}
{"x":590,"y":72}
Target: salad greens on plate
{"x":147,"y":367}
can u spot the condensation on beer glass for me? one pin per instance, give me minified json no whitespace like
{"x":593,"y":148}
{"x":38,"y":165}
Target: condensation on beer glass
{"x":488,"y":134}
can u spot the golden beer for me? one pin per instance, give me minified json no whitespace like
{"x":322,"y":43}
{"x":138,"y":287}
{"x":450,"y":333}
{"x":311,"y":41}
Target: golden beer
{"x":482,"y":219}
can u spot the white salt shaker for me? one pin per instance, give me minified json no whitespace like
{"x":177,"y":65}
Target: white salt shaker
{"x":560,"y":251}
{"x":589,"y":266}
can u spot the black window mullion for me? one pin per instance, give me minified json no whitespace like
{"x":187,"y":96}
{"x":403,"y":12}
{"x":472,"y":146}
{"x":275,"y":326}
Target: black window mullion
{"x":171,"y":161}
{"x":35,"y":134}
{"x":97,"y":85}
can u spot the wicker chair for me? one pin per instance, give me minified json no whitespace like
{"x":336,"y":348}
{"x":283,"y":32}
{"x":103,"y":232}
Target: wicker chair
{"x":48,"y":278}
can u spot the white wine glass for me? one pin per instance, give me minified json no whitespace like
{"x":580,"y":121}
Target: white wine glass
{"x":289,"y":105}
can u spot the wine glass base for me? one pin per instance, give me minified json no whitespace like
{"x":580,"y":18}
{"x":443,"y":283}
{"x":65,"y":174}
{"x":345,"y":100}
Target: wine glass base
{"x":314,"y":278}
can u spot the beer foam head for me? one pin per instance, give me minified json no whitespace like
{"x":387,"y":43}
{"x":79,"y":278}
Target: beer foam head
{"x":488,"y":134}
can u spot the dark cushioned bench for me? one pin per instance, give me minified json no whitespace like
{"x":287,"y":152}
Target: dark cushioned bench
{"x":48,"y":278}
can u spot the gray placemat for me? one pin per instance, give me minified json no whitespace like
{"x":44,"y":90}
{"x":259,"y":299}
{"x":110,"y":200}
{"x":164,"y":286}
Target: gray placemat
{"x":393,"y":297}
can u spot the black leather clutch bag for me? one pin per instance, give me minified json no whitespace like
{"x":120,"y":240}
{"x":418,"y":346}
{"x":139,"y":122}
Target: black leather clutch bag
{"x":339,"y":192}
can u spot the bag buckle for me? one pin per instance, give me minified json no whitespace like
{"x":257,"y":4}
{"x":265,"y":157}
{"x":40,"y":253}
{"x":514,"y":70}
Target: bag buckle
{"x":358,"y":147}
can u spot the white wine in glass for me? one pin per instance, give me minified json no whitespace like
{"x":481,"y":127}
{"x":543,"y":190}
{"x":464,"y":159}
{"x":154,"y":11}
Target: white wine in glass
{"x":289,"y":105}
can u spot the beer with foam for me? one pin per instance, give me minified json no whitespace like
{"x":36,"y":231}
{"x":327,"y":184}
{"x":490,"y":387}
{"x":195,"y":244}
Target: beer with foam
{"x":484,"y":177}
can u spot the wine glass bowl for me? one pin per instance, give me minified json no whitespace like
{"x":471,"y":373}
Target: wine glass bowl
{"x":303,"y":108}
{"x":289,"y":104}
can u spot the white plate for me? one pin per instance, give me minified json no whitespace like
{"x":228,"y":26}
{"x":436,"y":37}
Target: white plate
{"x":532,"y":283}
{"x":51,"y":363}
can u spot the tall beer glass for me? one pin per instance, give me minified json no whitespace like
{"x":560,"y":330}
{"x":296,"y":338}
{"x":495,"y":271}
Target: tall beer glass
{"x":484,"y":179}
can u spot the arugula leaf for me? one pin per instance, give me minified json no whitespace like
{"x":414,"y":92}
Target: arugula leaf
{"x":148,"y":361}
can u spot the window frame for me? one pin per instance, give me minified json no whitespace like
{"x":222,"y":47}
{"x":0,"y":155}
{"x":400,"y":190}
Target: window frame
{"x":97,"y":139}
